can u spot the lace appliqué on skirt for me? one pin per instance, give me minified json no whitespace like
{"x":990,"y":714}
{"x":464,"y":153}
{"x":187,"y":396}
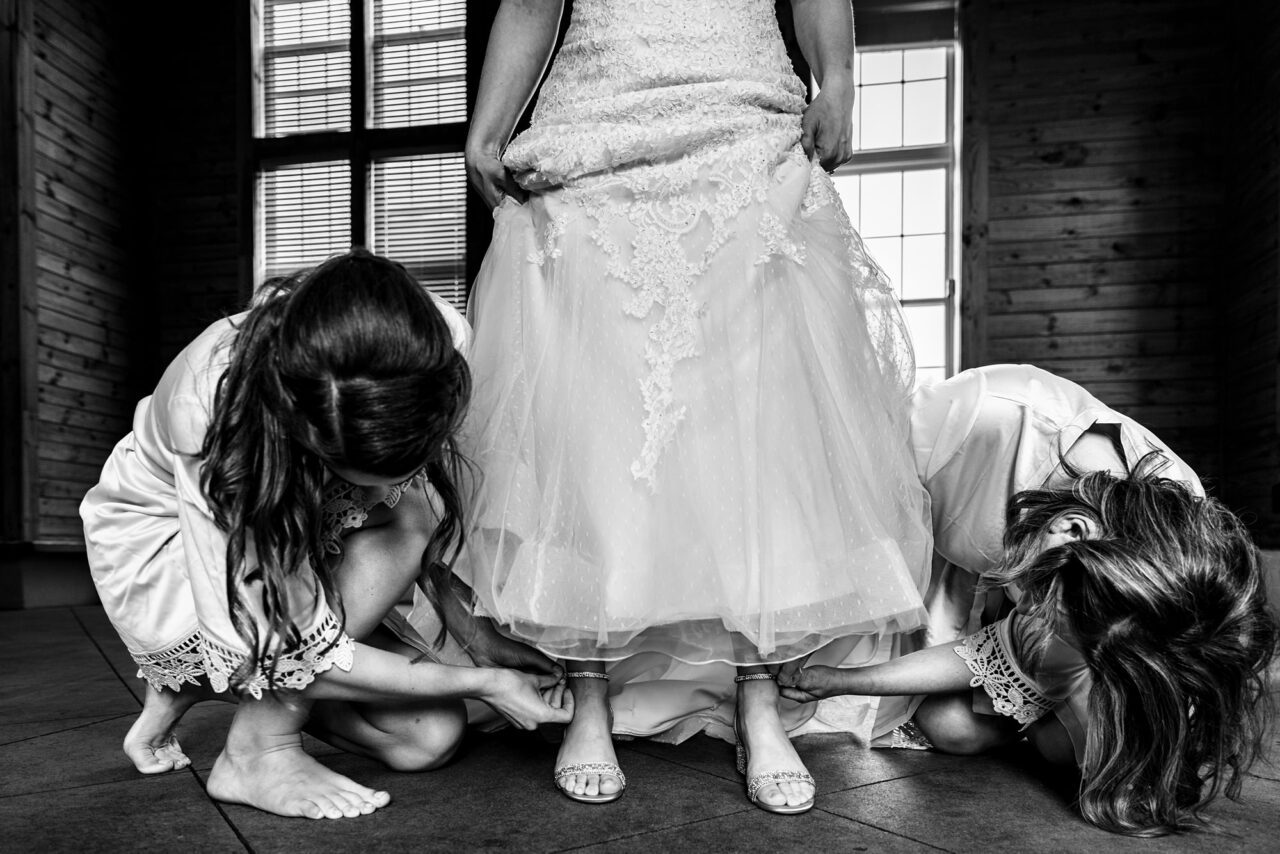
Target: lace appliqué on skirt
{"x":994,"y":670}
{"x":196,"y":656}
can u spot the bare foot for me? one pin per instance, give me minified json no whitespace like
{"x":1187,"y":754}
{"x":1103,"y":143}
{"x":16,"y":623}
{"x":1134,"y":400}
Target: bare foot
{"x":768,"y":747}
{"x":281,"y":778}
{"x":151,"y":743}
{"x":588,"y":740}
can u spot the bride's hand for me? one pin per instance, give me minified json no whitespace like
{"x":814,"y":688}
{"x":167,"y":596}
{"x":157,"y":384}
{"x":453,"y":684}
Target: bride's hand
{"x":490,"y":178}
{"x":827,"y":125}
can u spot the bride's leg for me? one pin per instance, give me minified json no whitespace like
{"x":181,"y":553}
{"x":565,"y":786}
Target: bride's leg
{"x":588,"y":740}
{"x":769,"y":750}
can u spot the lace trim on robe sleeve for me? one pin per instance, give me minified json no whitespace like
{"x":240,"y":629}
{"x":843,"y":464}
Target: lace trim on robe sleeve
{"x":195,"y":656}
{"x":994,"y":670}
{"x":346,"y":505}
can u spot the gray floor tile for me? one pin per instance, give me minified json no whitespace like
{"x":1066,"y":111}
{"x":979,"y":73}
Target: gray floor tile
{"x":71,"y":758}
{"x":498,"y":796}
{"x":93,"y":621}
{"x":11,"y":733}
{"x":141,"y":815}
{"x":837,"y":762}
{"x":754,"y":831}
{"x":1013,"y":803}
{"x":53,"y":670}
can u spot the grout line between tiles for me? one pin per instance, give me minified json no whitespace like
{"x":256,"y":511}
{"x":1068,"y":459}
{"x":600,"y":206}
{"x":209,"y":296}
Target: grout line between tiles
{"x":68,"y":729}
{"x":221,"y":811}
{"x":106,"y":660}
{"x":639,"y":833}
{"x":885,"y":830}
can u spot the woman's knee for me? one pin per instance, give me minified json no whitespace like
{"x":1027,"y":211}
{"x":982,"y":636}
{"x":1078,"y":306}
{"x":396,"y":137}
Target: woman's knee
{"x":425,"y":742}
{"x":952,"y":726}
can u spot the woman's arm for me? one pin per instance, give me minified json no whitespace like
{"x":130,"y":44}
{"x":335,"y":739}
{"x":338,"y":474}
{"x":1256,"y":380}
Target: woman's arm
{"x":824,"y":30}
{"x":525,"y":699}
{"x":520,"y":44}
{"x":936,"y":670}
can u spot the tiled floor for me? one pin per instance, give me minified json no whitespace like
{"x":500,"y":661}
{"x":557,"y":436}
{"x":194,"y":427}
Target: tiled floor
{"x":67,"y":696}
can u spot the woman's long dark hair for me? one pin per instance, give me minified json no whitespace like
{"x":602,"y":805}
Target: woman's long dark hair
{"x":1169,"y":610}
{"x":348,"y":365}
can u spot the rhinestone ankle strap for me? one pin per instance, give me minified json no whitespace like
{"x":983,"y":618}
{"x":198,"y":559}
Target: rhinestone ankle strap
{"x":751,"y":677}
{"x":586,"y":674}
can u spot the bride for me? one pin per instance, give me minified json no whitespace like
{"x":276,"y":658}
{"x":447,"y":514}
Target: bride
{"x":690,"y":378}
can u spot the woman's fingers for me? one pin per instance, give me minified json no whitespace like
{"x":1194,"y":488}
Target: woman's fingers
{"x":788,"y":672}
{"x":797,"y":695}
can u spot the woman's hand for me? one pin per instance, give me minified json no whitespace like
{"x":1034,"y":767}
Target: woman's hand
{"x":528,"y":700}
{"x":807,"y":683}
{"x":485,"y":644}
{"x":489,"y":648}
{"x":827,"y":125}
{"x":490,"y":178}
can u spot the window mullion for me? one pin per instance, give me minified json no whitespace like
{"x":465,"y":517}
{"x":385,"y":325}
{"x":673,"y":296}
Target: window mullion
{"x":359,"y":122}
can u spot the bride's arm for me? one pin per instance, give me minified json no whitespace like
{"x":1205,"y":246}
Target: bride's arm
{"x":520,"y":44}
{"x":824,"y":30}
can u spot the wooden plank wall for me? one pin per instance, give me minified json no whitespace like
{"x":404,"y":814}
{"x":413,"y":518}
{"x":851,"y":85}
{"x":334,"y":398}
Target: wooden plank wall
{"x":86,"y":302}
{"x":1093,"y":239}
{"x":1251,"y":267}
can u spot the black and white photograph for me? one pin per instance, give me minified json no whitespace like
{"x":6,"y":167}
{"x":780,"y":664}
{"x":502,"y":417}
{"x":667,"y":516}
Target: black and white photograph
{"x":640,"y":426}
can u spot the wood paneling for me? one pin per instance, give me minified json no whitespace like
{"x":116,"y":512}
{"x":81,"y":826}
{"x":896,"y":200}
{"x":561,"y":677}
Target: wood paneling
{"x":18,"y":511}
{"x":1252,"y":367}
{"x":1094,"y":220}
{"x":87,"y":301}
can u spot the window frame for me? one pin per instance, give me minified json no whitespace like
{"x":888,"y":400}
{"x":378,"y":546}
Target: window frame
{"x":360,"y":145}
{"x":945,"y":155}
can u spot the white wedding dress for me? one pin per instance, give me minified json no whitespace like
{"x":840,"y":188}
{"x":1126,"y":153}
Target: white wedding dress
{"x":690,"y":380}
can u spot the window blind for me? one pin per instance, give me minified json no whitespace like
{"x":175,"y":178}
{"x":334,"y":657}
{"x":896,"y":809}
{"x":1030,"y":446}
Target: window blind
{"x":418,"y":217}
{"x":304,"y":216}
{"x":419,"y":60}
{"x":305,"y":72}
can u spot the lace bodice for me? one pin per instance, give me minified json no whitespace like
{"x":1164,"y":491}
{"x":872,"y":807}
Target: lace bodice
{"x":665,"y":130}
{"x":639,"y":82}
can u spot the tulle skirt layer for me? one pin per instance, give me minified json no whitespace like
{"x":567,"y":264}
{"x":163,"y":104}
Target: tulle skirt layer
{"x":689,"y":425}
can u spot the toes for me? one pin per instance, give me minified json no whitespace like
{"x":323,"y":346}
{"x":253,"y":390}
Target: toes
{"x":609,"y":784}
{"x":309,"y":809}
{"x":328,"y":808}
{"x":797,"y":793}
{"x":772,"y":794}
{"x":171,"y":752}
{"x":149,"y":761}
{"x":593,"y":785}
{"x":352,"y":804}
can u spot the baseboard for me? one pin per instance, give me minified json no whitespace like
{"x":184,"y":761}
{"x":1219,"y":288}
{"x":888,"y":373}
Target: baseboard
{"x":38,"y":577}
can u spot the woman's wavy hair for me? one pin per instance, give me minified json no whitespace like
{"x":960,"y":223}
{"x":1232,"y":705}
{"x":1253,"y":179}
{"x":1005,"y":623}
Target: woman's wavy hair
{"x":1169,"y":609}
{"x":348,"y":365}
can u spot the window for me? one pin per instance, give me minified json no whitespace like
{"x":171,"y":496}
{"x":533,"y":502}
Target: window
{"x":360,"y":110}
{"x":899,"y":188}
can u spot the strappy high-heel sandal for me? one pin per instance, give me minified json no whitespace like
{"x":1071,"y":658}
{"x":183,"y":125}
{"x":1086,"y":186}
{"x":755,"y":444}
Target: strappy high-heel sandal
{"x":758,"y":782}
{"x":591,"y":767}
